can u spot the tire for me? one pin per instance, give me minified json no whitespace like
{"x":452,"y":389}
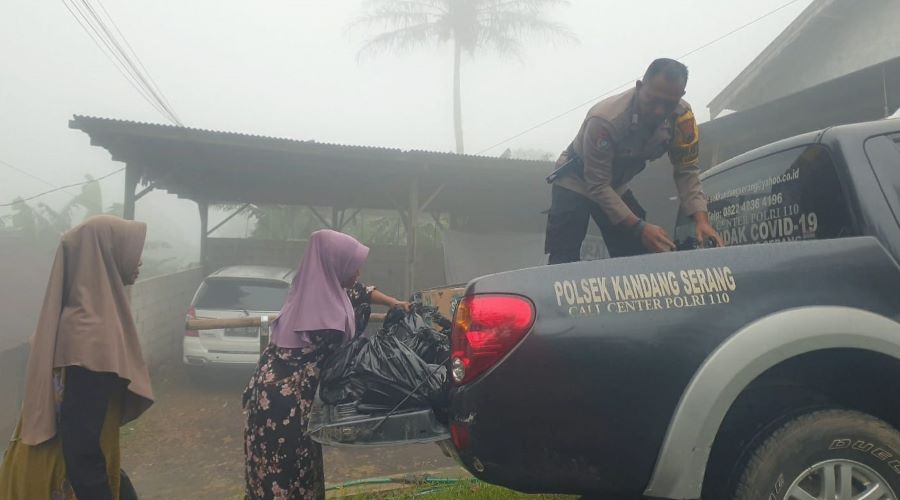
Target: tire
{"x":800,"y":454}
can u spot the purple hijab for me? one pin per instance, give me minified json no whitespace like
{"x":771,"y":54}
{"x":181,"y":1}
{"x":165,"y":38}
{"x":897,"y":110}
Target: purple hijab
{"x":317,"y":300}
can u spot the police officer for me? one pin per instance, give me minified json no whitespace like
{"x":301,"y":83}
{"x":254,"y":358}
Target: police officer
{"x":617,"y":138}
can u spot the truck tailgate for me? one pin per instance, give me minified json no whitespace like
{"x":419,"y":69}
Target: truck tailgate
{"x":344,"y":425}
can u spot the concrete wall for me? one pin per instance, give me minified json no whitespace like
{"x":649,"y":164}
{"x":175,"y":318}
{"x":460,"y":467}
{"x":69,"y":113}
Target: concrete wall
{"x":159,"y":306}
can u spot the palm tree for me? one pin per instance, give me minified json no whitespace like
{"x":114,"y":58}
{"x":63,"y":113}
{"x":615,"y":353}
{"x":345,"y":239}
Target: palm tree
{"x":470,"y":25}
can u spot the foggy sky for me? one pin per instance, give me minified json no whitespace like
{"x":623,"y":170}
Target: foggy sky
{"x":289,"y":69}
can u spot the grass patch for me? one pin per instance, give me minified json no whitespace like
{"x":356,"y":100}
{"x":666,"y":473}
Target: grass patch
{"x":476,"y":490}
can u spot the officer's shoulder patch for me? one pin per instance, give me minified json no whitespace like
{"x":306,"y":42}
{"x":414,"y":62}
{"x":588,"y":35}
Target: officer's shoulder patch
{"x":603,"y":139}
{"x":687,"y":127}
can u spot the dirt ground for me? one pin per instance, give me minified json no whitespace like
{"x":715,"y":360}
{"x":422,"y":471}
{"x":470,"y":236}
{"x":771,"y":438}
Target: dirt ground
{"x":188,"y":445}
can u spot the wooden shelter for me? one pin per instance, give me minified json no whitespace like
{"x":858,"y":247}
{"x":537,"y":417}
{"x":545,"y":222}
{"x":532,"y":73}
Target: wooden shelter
{"x":212,"y":167}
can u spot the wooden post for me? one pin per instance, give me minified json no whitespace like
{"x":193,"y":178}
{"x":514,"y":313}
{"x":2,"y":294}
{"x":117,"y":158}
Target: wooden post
{"x":131,"y":182}
{"x":248,"y":322}
{"x":413,"y":217}
{"x":204,"y":230}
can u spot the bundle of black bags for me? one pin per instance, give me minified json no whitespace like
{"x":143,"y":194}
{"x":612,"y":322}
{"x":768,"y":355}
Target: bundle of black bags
{"x":415,"y":330}
{"x":402,"y":366}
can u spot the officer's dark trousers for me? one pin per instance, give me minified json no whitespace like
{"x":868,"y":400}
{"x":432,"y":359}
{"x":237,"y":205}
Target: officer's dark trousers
{"x":567,"y":225}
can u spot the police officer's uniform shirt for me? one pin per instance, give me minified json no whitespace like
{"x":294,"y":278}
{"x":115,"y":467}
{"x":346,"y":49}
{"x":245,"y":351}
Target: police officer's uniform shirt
{"x":615,"y":147}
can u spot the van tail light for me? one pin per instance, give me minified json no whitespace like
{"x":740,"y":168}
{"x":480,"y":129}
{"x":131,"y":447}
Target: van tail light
{"x":485,"y":329}
{"x":191,"y":314}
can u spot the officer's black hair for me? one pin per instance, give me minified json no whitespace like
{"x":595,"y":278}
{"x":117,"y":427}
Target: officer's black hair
{"x":670,"y":68}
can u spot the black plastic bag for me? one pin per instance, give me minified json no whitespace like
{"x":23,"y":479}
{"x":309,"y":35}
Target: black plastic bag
{"x":431,"y":346}
{"x":399,"y":324}
{"x":337,"y":371}
{"x":380,"y":373}
{"x":418,"y":330}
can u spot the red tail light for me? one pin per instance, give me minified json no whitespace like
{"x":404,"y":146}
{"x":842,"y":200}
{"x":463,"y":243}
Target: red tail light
{"x":485,"y":329}
{"x":459,"y":433}
{"x":191,"y":314}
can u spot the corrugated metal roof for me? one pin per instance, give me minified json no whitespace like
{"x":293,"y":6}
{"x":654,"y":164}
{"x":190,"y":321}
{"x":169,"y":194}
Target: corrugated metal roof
{"x":82,"y":122}
{"x":229,"y":167}
{"x":79,"y":119}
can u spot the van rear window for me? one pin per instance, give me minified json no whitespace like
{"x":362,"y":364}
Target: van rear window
{"x":788,"y":196}
{"x":239,"y":295}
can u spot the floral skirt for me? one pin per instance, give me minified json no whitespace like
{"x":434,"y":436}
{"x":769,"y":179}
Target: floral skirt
{"x":282,"y":461}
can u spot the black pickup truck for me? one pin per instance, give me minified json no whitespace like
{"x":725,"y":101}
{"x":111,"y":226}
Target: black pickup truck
{"x":768,"y":369}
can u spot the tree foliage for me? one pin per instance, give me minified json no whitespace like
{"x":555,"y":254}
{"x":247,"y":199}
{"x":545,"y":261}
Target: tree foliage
{"x":471,"y":26}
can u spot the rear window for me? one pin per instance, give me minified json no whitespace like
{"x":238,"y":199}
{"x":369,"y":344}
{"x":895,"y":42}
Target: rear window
{"x":884,"y":155}
{"x":788,"y":196}
{"x":240,"y":295}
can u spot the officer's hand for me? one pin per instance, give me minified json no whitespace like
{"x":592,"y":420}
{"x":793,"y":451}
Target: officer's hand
{"x":656,"y":239}
{"x":705,"y":232}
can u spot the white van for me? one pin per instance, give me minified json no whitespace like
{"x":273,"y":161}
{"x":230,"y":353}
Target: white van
{"x":234,"y":292}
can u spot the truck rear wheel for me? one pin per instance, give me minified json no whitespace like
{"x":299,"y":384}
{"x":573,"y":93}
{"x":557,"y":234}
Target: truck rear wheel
{"x":832,"y":454}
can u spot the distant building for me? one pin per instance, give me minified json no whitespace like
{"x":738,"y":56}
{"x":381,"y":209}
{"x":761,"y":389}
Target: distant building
{"x":830,"y":40}
{"x":837,"y":63}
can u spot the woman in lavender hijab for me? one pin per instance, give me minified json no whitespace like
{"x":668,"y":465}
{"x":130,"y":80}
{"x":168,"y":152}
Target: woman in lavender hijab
{"x":282,"y":462}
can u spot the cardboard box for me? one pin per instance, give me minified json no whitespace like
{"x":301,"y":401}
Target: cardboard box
{"x":444,"y":298}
